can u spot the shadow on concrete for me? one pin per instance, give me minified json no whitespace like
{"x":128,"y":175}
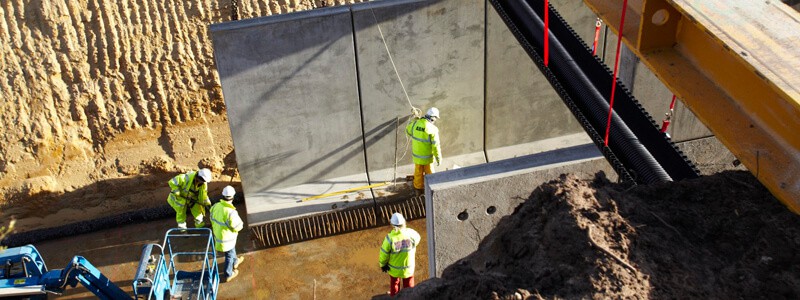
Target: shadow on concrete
{"x":289,"y":49}
{"x":380,"y":130}
{"x":276,"y":214}
{"x":293,"y":48}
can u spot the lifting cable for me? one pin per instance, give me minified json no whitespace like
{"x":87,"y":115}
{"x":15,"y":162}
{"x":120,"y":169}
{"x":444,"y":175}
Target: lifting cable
{"x":616,"y":68}
{"x":416,"y":112}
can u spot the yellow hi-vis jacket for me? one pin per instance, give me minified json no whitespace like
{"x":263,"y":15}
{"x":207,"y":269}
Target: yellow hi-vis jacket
{"x":226,"y":224}
{"x":398,"y":251}
{"x":183,"y":191}
{"x":425,"y":146}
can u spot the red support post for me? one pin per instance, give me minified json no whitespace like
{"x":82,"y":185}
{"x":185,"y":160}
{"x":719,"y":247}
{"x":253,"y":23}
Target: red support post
{"x":616,"y":68}
{"x":546,"y":33}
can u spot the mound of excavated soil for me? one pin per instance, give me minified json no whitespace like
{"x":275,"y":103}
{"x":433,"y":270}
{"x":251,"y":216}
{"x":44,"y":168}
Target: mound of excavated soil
{"x":720,"y":237}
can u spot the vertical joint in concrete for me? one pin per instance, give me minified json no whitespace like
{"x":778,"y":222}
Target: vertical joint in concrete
{"x":360,"y":104}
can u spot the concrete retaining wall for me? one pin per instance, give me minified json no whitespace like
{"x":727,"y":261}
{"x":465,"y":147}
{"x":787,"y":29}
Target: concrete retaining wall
{"x":520,"y":100}
{"x":321,"y":110}
{"x":438,"y":49}
{"x":291,"y":123}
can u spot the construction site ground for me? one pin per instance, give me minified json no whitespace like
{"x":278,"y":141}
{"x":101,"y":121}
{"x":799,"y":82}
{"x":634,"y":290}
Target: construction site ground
{"x":338,"y":267}
{"x":721,"y":236}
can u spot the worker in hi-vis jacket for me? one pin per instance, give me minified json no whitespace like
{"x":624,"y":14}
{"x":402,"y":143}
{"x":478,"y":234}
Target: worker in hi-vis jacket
{"x":425,"y":146}
{"x":189,"y":191}
{"x":226,"y":224}
{"x":397,"y":254}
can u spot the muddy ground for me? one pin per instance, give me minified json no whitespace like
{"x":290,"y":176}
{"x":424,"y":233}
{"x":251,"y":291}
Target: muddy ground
{"x":719,"y":237}
{"x":342,"y":267}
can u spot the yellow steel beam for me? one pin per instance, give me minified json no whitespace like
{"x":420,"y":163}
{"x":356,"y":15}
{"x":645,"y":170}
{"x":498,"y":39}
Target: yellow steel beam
{"x":736,"y":65}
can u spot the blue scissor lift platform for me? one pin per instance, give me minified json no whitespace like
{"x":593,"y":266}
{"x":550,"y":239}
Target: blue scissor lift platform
{"x":183,"y":267}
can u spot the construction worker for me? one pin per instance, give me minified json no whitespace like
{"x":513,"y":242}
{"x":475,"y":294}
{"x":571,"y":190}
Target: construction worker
{"x":425,"y":147}
{"x":226,"y":224}
{"x":190,"y":192}
{"x":397,"y":254}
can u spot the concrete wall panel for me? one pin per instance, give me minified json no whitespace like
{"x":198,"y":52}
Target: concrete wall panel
{"x":437,"y":47}
{"x":522,"y":110}
{"x":292,"y":103}
{"x":464,"y":205}
{"x":314,"y":103}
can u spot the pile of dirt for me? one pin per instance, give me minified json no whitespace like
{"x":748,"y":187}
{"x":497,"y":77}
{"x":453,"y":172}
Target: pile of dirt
{"x":723,"y":236}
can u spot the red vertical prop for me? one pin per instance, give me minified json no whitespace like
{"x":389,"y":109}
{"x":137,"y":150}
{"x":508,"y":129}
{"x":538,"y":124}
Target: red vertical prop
{"x":596,"y":36}
{"x":668,"y":118}
{"x":672,"y":104}
{"x":616,"y":68}
{"x":546,"y":33}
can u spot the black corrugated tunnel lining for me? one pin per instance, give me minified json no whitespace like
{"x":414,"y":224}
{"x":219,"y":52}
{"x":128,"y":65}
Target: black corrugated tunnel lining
{"x":584,"y":83}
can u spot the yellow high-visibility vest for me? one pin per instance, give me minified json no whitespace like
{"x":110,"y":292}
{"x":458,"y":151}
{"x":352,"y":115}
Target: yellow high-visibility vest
{"x":182,"y":191}
{"x":398,"y":251}
{"x":226,"y":224}
{"x":425,"y":146}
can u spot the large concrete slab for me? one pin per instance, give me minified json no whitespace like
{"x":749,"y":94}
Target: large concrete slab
{"x":315,"y":107}
{"x":437,"y":47}
{"x":292,"y":102}
{"x":523,"y":112}
{"x":463,"y":205}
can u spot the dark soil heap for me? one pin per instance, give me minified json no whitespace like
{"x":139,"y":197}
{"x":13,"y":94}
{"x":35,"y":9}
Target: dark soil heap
{"x":720,"y":237}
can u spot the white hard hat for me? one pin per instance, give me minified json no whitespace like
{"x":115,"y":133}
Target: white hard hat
{"x":397,"y":219}
{"x":433,"y":112}
{"x":205,"y":174}
{"x":228,"y":192}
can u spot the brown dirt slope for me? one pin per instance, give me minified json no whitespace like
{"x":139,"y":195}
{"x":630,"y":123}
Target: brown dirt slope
{"x":104,"y":100}
{"x":722,"y":237}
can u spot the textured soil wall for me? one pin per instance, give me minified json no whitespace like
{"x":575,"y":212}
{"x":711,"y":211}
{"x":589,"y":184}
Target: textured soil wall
{"x":104,"y":100}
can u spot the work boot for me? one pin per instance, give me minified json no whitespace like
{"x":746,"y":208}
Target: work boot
{"x":233,"y":275}
{"x":239,"y":261}
{"x":182,"y":227}
{"x":419,"y":192}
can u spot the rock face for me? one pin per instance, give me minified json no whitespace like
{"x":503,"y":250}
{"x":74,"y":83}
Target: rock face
{"x":104,"y":100}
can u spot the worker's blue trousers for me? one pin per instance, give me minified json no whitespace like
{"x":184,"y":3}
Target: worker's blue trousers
{"x":230,"y":261}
